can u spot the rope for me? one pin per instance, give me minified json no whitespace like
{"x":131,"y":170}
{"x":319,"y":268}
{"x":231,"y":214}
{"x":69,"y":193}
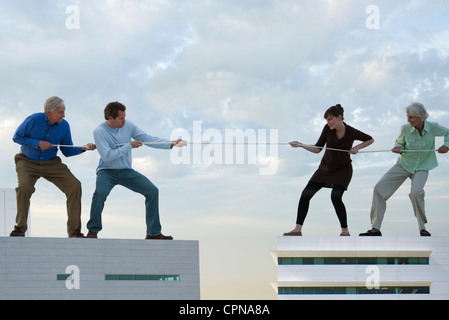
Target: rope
{"x":67,"y":146}
{"x":203,"y":143}
{"x":255,"y":143}
{"x":277,"y":143}
{"x":367,"y":151}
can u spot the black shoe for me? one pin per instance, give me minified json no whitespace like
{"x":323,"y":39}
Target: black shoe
{"x":17,"y":233}
{"x":424,"y":233}
{"x":371,"y":233}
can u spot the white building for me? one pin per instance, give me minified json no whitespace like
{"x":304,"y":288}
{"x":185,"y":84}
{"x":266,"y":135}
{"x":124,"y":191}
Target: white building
{"x":98,"y":269}
{"x":396,"y":268}
{"x":93,"y":269}
{"x":8,"y":212}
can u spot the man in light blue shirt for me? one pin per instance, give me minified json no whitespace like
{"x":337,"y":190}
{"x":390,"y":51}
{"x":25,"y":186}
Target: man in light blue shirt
{"x":114,"y":141}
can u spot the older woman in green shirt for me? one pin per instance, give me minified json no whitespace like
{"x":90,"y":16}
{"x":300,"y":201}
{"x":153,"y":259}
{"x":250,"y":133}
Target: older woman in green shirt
{"x":418,"y":135}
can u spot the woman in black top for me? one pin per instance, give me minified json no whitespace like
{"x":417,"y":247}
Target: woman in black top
{"x":335,"y":170}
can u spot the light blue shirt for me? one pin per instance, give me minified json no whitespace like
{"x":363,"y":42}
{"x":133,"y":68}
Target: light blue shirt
{"x":119,"y":157}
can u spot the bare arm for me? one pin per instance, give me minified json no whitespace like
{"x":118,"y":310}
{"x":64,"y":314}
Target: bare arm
{"x":363,"y":145}
{"x":296,"y":144}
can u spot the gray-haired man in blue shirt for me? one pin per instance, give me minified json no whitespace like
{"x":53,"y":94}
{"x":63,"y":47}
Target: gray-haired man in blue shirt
{"x":39,"y":136}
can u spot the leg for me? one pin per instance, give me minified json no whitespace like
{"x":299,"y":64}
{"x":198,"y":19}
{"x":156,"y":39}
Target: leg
{"x":137,"y":182}
{"x":383,"y":190}
{"x":59,"y":174}
{"x":303,"y":207}
{"x":28,"y":172}
{"x":106,"y":180}
{"x":340,"y":209}
{"x":417,"y":195}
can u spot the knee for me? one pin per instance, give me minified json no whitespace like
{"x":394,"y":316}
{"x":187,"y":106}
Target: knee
{"x":336,"y":197}
{"x":25,"y":189}
{"x":377,"y":189}
{"x":416,"y":194}
{"x":75,"y":187}
{"x":307,"y":194}
{"x":379,"y":192}
{"x":152,"y":191}
{"x":100,"y":193}
{"x":76,"y":184}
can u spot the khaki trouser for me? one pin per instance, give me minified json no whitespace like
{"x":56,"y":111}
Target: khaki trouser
{"x":388,"y":185}
{"x":29,"y":171}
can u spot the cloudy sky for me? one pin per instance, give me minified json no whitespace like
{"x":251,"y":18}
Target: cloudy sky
{"x":260,"y":66}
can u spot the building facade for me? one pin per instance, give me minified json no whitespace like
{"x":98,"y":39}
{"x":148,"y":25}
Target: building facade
{"x":384,"y":268}
{"x":8,"y":212}
{"x":98,"y":269}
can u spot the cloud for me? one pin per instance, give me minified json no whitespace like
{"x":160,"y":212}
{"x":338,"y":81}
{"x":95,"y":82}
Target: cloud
{"x":265,"y":64}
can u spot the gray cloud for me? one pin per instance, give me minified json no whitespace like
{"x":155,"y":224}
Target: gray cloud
{"x":231,"y":64}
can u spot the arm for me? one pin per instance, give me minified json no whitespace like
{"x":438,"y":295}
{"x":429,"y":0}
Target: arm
{"x":22,"y":135}
{"x":89,"y":146}
{"x":357,"y":148}
{"x":108,"y":153}
{"x":67,"y":141}
{"x":159,"y":143}
{"x":366,"y":139}
{"x":440,"y":131}
{"x":400,"y":142}
{"x":296,"y":144}
{"x":319,"y":145}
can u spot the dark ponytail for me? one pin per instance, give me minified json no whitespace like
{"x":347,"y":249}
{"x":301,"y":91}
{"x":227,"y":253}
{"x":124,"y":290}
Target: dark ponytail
{"x":335,"y":111}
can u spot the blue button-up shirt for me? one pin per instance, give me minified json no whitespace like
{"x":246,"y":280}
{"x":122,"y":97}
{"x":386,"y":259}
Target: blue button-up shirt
{"x":37,"y":128}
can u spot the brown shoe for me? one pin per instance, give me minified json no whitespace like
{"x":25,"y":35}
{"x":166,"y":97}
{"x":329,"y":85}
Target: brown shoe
{"x":77,"y":234}
{"x":159,"y":237}
{"x":17,"y":233}
{"x":293,"y":234}
{"x":92,"y":235}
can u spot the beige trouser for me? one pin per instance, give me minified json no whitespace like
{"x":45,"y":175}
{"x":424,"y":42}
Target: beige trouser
{"x":388,"y":185}
{"x":29,"y":171}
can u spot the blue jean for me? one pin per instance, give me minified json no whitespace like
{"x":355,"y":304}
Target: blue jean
{"x":131,"y":179}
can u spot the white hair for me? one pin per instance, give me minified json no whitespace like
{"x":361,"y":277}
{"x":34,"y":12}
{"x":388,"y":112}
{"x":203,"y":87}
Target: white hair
{"x":417,"y":110}
{"x":52,"y":103}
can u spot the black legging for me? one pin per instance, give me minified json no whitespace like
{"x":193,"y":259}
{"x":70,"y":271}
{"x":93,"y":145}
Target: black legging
{"x":336,"y":196}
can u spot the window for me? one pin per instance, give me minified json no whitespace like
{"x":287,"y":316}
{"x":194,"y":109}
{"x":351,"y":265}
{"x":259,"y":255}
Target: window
{"x":354,"y":260}
{"x":129,"y":277}
{"x":351,"y":290}
{"x":140,"y":277}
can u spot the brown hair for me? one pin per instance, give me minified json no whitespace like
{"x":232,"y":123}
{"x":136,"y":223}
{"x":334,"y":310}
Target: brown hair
{"x":335,"y":111}
{"x":112,"y":110}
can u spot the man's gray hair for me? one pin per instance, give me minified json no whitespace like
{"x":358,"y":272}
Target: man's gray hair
{"x":417,"y":110}
{"x":52,"y":103}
